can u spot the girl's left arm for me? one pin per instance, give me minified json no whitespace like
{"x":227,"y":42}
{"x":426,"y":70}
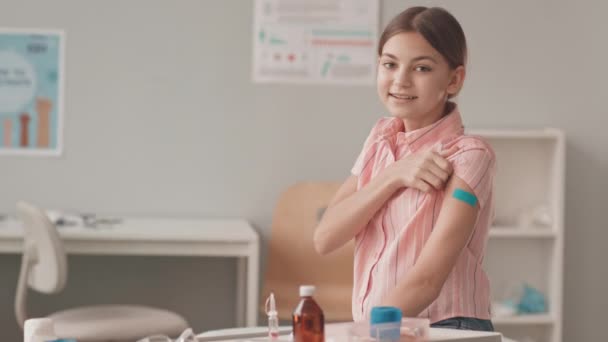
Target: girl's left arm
{"x":452,"y":231}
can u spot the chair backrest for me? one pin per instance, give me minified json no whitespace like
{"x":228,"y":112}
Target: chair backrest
{"x":293,"y":261}
{"x":44,"y":261}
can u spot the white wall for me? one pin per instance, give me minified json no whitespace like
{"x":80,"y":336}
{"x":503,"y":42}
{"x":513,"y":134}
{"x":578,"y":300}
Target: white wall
{"x":162,"y":119}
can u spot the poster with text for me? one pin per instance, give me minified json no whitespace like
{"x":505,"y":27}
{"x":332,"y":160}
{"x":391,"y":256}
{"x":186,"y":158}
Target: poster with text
{"x":31,"y":91}
{"x":315,"y":41}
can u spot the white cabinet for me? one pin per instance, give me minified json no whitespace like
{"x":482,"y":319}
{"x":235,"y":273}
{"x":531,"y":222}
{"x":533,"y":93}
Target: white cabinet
{"x":527,"y":238}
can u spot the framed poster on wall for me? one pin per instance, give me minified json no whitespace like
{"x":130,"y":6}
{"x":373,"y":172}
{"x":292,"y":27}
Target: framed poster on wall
{"x":315,"y":42}
{"x":31,"y":91}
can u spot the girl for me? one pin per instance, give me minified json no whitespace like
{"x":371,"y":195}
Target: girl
{"x":419,"y":201}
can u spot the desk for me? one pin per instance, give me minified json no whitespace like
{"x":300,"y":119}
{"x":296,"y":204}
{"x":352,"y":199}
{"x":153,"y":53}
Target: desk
{"x":338,"y":332}
{"x":166,"y":237}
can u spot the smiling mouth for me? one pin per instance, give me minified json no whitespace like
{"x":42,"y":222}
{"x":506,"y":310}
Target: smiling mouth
{"x":403,"y":96}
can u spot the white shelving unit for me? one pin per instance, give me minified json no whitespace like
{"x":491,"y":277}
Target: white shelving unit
{"x":530,"y":174}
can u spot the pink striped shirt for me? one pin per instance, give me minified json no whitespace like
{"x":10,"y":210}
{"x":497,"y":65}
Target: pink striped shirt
{"x":389,"y":246}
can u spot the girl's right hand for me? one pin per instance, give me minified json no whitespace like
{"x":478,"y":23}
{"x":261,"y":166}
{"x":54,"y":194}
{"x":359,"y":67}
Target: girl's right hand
{"x":425,"y":171}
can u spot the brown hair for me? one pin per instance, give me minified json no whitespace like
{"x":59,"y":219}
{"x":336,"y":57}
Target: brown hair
{"x":437,"y":26}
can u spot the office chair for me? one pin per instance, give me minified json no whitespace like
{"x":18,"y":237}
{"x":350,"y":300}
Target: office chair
{"x":293,"y":261}
{"x":44,"y":269}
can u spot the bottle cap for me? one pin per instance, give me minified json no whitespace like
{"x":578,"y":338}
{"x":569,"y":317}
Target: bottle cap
{"x":307,"y":290}
{"x":385,"y":314}
{"x":271,"y":307}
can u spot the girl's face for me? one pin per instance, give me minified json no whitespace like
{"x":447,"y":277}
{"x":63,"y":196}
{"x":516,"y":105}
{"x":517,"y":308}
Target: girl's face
{"x":414,"y":80}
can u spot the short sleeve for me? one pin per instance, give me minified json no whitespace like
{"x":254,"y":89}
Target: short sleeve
{"x":384,"y":126}
{"x":475,"y":163}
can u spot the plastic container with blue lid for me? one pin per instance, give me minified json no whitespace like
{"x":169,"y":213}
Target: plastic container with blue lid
{"x":385,"y":323}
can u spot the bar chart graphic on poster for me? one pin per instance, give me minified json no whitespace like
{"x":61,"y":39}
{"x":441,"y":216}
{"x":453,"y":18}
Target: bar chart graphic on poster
{"x":31,"y":91}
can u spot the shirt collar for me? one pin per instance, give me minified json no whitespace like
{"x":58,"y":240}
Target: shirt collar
{"x":447,"y":126}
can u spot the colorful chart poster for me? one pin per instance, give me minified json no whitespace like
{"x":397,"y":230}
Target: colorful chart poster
{"x":315,"y":41}
{"x":31,"y":91}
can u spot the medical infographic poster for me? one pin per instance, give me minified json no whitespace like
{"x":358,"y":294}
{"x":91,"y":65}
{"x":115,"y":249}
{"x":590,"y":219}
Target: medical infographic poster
{"x":315,"y":41}
{"x":31,"y":92}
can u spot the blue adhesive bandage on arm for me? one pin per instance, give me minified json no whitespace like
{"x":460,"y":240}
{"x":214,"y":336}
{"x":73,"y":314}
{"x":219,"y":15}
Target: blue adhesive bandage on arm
{"x":465,"y":196}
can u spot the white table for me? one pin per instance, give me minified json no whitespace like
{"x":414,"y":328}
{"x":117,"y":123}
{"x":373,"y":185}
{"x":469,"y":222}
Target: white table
{"x":338,"y":332}
{"x":166,"y":237}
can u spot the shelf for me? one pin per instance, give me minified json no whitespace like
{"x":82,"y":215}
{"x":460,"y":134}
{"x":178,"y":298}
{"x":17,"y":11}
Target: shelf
{"x":529,"y":191}
{"x":536,"y":319}
{"x":516,"y":232}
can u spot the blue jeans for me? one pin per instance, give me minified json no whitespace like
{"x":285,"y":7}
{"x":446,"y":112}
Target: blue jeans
{"x":465,"y":323}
